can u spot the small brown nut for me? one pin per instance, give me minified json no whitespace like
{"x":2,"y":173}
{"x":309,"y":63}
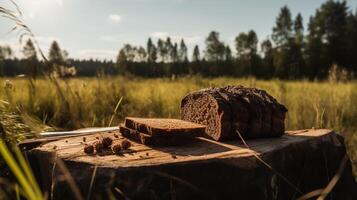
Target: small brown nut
{"x":98,"y":146}
{"x":116,"y":148}
{"x":116,"y":135}
{"x":125,"y":144}
{"x":88,"y":149}
{"x":84,"y":139}
{"x":107,"y":141}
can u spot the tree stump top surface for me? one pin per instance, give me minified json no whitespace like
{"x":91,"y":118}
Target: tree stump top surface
{"x":198,"y":150}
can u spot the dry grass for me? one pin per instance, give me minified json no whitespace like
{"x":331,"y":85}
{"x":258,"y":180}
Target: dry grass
{"x":92,"y":100}
{"x":84,"y":102}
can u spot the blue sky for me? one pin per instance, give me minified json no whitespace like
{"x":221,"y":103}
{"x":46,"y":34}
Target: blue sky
{"x":99,"y":28}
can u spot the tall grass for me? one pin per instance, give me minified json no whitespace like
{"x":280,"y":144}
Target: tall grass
{"x":83,"y":102}
{"x":92,"y":100}
{"x":22,"y":172}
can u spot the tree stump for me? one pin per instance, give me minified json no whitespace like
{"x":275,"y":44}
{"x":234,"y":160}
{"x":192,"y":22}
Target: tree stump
{"x":294,"y":164}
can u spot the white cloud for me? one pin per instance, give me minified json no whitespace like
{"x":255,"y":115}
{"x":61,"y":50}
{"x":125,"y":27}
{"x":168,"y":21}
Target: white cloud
{"x":160,"y":35}
{"x":109,"y":38}
{"x":115,"y":18}
{"x":97,"y":53}
{"x":177,"y":38}
{"x":60,"y":2}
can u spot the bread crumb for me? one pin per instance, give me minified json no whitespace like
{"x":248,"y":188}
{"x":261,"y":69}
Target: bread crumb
{"x":88,"y":149}
{"x":98,"y":146}
{"x":116,"y":148}
{"x":125,"y":144}
{"x":107,"y":142}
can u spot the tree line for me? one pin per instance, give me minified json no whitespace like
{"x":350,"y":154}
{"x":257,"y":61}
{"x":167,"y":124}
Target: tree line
{"x":291,"y":51}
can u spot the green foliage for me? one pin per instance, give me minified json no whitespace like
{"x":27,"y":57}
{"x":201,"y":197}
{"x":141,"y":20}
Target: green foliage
{"x":56,"y":55}
{"x":29,"y":51}
{"x":290,"y":53}
{"x":151,"y":51}
{"x":214,"y":47}
{"x":5,"y":52}
{"x":283,"y":27}
{"x":246,"y":46}
{"x":196,"y":55}
{"x":183,"y":51}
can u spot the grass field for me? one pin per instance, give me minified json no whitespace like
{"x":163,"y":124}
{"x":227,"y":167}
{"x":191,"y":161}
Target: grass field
{"x":83,"y":102}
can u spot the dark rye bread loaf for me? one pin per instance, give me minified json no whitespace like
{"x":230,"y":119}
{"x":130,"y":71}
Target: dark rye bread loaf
{"x":226,"y":110}
{"x":164,"y":126}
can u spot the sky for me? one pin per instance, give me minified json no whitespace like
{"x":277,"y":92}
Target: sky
{"x":99,"y":28}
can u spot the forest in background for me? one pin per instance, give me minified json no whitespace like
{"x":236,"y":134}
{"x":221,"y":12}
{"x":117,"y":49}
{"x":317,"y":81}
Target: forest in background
{"x":291,"y":52}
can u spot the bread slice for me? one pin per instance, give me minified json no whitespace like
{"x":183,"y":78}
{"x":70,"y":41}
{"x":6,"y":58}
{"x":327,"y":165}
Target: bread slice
{"x":136,"y":136}
{"x":146,"y":139}
{"x":157,"y":127}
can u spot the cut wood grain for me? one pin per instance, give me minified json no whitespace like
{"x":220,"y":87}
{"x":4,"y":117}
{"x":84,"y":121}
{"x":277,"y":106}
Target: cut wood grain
{"x":202,"y":168}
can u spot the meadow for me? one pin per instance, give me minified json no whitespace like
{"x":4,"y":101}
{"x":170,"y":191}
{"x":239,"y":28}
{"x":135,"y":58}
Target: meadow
{"x":86,"y":102}
{"x":31,"y":106}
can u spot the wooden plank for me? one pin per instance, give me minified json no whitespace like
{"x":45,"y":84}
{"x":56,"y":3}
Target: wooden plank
{"x":199,"y":149}
{"x":299,"y":162}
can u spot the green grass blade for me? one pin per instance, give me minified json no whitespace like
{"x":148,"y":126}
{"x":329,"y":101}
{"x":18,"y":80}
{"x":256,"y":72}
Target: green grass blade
{"x":17,"y":192}
{"x":20,"y":176}
{"x":28,"y":172}
{"x":115,"y":111}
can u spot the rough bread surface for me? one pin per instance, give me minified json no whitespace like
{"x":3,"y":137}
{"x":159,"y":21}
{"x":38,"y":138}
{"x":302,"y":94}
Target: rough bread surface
{"x":163,"y":126}
{"x":146,"y":139}
{"x":227,"y":110}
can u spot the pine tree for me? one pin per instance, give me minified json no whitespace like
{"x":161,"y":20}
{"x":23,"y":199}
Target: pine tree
{"x":142,"y":55}
{"x":327,"y":43}
{"x":299,"y":29}
{"x":283,"y":27}
{"x":121,"y":58}
{"x":175,"y":53}
{"x":183,"y":51}
{"x":130,"y":52}
{"x":296,"y":47}
{"x":196,"y":54}
{"x":228,"y":54}
{"x":56,"y":54}
{"x":214,"y":47}
{"x":29,"y":51}
{"x":121,"y":62}
{"x":282,"y":37}
{"x":352,"y":42}
{"x":268,"y":62}
{"x":161,"y":50}
{"x":30,"y":55}
{"x":151,"y":51}
{"x":246,"y":46}
{"x":5,"y":52}
{"x":168,"y":47}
